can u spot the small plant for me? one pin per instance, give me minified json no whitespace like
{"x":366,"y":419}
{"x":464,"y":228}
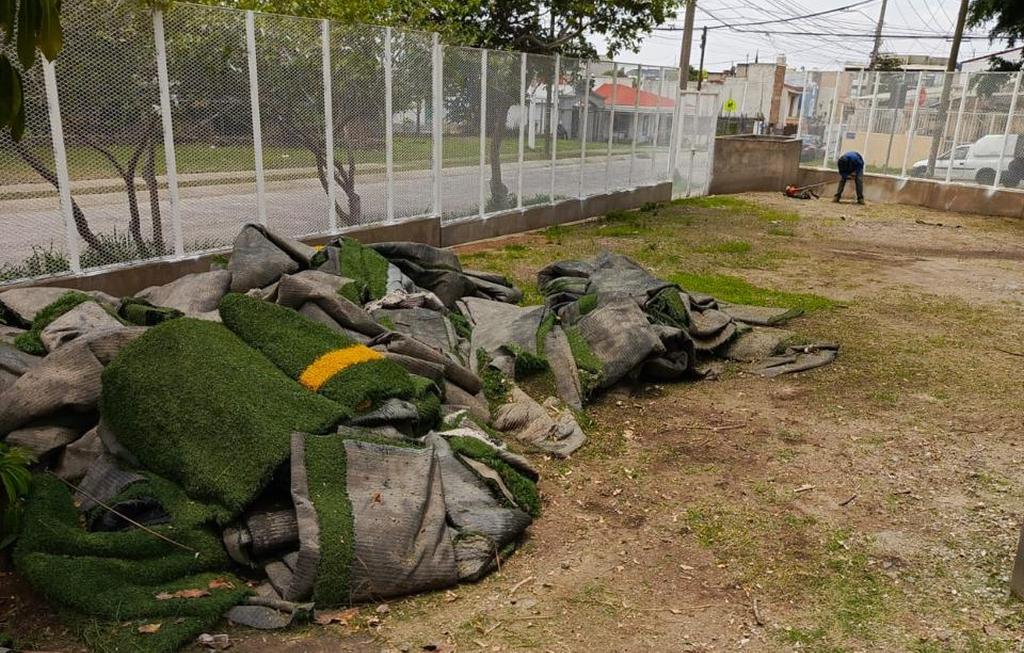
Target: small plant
{"x":14,"y":484}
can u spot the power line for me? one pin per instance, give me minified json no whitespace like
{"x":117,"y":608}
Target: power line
{"x":791,"y":18}
{"x":845,"y":35}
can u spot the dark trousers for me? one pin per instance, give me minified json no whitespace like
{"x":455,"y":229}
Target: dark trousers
{"x":860,"y":187}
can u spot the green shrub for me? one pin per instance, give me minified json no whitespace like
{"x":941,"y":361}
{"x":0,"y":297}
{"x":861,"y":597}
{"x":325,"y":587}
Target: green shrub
{"x":14,"y":485}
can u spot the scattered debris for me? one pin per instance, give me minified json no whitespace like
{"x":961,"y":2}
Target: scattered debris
{"x":219,"y":642}
{"x":327,"y":617}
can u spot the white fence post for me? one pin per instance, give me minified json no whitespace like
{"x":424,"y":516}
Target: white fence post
{"x":483,"y":129}
{"x":611,"y":128}
{"x":332,"y":214}
{"x":555,"y":85}
{"x":437,"y":115}
{"x":389,"y":129}
{"x":871,"y":116}
{"x":170,"y":159}
{"x":1006,"y":131}
{"x":831,"y":116}
{"x":743,"y":101}
{"x":956,"y":130}
{"x":657,"y":127}
{"x":913,"y":124}
{"x":257,"y":129}
{"x":675,"y":137}
{"x":636,"y":122}
{"x":524,"y":116}
{"x":800,"y":109}
{"x":584,"y":127}
{"x":60,"y":164}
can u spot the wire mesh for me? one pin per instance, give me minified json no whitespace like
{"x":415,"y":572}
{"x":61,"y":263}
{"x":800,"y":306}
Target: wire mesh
{"x":291,"y":93}
{"x":411,"y":109}
{"x":109,"y":108}
{"x":460,"y":172}
{"x":568,"y":98}
{"x":32,"y":229}
{"x":213,"y":138}
{"x":540,"y":89}
{"x":502,"y":131}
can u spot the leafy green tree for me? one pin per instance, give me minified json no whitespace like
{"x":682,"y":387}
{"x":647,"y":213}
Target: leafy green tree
{"x":1007,"y":20}
{"x":34,"y":24}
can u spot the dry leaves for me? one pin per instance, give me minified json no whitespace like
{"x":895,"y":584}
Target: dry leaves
{"x":221,"y":584}
{"x":325,"y":617}
{"x":182,"y":594}
{"x":149,"y":629}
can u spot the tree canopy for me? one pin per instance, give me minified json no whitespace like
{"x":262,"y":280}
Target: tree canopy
{"x":1007,"y":20}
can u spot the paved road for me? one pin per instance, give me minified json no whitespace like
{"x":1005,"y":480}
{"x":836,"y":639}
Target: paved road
{"x":211,"y":215}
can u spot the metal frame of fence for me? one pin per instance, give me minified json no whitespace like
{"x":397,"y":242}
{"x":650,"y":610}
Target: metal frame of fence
{"x":360,"y":98}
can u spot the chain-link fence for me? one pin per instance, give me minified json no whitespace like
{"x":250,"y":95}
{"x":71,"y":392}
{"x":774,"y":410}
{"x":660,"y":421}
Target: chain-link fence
{"x":959,"y":127}
{"x":158,"y":134}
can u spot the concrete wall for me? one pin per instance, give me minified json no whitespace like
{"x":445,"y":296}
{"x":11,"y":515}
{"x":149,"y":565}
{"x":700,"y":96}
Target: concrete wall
{"x":748,"y":163}
{"x":128,"y":281}
{"x":959,"y":198}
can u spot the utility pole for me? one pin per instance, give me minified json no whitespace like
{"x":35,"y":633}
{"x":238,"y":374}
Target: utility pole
{"x":878,"y":36}
{"x":684,"y":51}
{"x":703,"y":44}
{"x":947,"y":85}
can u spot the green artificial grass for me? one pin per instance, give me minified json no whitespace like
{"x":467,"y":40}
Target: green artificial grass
{"x":523,"y":489}
{"x":326,"y":462}
{"x":428,"y":399}
{"x":586,"y":303}
{"x":197,"y":406}
{"x":527,"y":362}
{"x":590,"y":367}
{"x":292,"y":342}
{"x":29,"y":342}
{"x":461,"y":324}
{"x":366,"y":267}
{"x":143,"y":313}
{"x":496,"y":386}
{"x":108,"y":581}
{"x":667,"y":308}
{"x":353,"y":292}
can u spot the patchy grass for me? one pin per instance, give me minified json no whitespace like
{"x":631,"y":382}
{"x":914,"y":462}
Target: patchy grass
{"x":735,"y":290}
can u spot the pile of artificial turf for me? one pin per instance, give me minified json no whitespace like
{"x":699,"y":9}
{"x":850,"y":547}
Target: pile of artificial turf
{"x":367,"y":269}
{"x":30,"y":342}
{"x":321,"y":358}
{"x":115,"y":578}
{"x":196,"y":405}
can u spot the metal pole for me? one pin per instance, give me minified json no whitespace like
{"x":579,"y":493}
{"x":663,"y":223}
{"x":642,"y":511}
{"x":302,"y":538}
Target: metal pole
{"x":332,"y":214}
{"x":555,"y":92}
{"x":871,"y":117}
{"x":611,"y":127}
{"x":524,"y":116}
{"x":954,"y":54}
{"x":878,"y":35}
{"x":686,"y":45}
{"x":257,"y":129}
{"x":743,"y":100}
{"x":389,"y":131}
{"x":438,"y":116}
{"x":657,"y":126}
{"x":693,"y":146}
{"x":956,"y":130}
{"x":673,"y":152}
{"x":483,"y":130}
{"x":60,"y":164}
{"x":1006,"y":131}
{"x":831,"y":116}
{"x":584,"y":126}
{"x":170,"y":159}
{"x":636,"y":123}
{"x":913,"y":124}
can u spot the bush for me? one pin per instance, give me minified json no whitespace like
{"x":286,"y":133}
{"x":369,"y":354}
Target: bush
{"x":14,"y":485}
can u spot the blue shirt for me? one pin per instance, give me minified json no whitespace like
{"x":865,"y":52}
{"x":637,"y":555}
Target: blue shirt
{"x":851,"y":163}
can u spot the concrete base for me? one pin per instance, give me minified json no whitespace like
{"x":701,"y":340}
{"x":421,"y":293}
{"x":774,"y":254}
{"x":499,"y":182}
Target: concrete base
{"x":748,"y":163}
{"x":959,"y":198}
{"x":126,"y":281}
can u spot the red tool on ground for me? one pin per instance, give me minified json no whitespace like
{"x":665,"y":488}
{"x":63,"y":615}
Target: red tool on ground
{"x":803,"y":192}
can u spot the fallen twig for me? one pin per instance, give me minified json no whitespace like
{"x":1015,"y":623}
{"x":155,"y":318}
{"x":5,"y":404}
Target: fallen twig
{"x":848,"y":501}
{"x":757,"y":613}
{"x":1011,"y":353}
{"x":520,"y":584}
{"x":123,"y":516}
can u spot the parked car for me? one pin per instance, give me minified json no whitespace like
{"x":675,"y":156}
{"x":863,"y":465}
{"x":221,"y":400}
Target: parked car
{"x":979,"y":161}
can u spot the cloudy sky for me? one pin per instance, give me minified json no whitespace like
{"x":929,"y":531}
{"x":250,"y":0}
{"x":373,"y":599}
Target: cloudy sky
{"x":804,"y":42}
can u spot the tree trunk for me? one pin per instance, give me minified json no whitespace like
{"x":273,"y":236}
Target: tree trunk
{"x":81,"y":222}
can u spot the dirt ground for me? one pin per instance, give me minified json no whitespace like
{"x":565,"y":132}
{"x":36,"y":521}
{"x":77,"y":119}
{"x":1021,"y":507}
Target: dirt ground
{"x":873,"y":505}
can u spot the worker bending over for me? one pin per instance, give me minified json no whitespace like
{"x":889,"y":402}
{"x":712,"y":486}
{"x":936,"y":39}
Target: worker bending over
{"x":851,"y":164}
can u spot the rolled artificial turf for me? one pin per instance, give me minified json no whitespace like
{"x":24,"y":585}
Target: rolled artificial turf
{"x":30,"y":342}
{"x":333,"y":364}
{"x":197,"y":406}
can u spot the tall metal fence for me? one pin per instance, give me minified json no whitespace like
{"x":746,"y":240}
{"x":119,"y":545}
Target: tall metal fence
{"x":156,"y":135}
{"x":960,"y":127}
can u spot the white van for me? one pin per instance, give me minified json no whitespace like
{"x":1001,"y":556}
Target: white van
{"x":978,"y":161}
